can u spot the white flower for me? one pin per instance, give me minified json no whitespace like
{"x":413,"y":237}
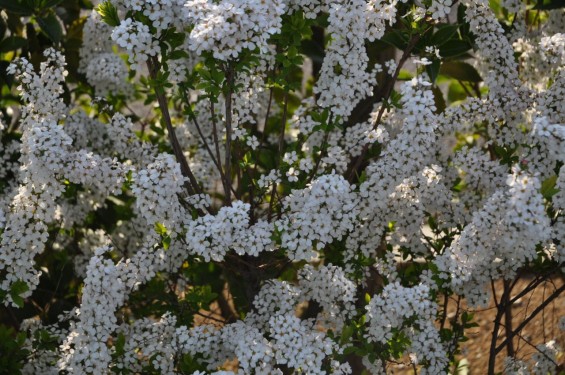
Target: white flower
{"x":422,"y":61}
{"x":252,"y":142}
{"x":292,"y":175}
{"x":290,"y":157}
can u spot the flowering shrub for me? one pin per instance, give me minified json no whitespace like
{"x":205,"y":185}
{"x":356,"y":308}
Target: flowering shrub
{"x":341,"y":181}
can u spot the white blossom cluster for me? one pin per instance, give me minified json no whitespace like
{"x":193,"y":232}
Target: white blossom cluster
{"x":125,"y":143}
{"x":275,"y":298}
{"x":136,"y":38}
{"x":344,"y":80}
{"x":502,"y":236}
{"x":85,"y":349}
{"x":391,"y":310}
{"x":95,"y":53}
{"x":323,"y":212}
{"x":87,"y":133}
{"x":553,"y":48}
{"x":292,"y":342}
{"x":332,"y":290}
{"x":212,"y":236}
{"x":9,"y":164}
{"x":440,"y":9}
{"x":513,"y":366}
{"x":160,"y":182}
{"x":42,"y":360}
{"x":161,"y":14}
{"x":311,"y":8}
{"x":298,"y":345}
{"x":545,"y":358}
{"x":148,"y":343}
{"x":228,"y":27}
{"x":548,"y":142}
{"x":47,"y":157}
{"x":501,"y":75}
{"x":406,"y":154}
{"x":411,"y":201}
{"x":42,"y":92}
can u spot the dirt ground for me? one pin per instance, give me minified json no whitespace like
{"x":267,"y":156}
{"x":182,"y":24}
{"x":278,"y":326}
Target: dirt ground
{"x":541,"y":329}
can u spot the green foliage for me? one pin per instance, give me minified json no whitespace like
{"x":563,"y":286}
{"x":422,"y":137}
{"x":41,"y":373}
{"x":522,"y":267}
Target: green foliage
{"x":108,"y":13}
{"x":549,"y":4}
{"x":51,"y":26}
{"x":460,"y":71}
{"x":12,"y":352}
{"x":548,"y":189}
{"x":17,"y":289}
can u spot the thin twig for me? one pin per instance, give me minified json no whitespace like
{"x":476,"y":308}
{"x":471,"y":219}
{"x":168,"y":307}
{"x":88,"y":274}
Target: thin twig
{"x":228,"y":106}
{"x":281,"y":145}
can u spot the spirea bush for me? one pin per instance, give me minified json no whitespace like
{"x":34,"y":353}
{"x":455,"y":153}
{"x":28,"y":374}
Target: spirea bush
{"x":278,"y":186}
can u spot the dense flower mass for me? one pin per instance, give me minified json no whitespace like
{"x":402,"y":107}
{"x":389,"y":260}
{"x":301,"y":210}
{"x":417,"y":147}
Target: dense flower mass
{"x":279,"y":186}
{"x":225,"y":28}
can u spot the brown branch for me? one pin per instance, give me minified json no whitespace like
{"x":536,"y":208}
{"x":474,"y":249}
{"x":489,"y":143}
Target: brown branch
{"x":497,"y":322}
{"x":538,"y":309}
{"x":192,"y":186}
{"x":508,"y":316}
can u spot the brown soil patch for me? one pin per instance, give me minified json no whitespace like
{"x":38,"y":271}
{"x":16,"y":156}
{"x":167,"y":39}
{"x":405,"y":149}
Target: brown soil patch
{"x":541,"y":329}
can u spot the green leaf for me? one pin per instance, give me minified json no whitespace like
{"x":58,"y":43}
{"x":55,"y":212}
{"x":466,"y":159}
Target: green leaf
{"x":439,"y":99}
{"x":160,"y":229}
{"x":443,"y":35}
{"x":178,"y":54}
{"x":108,"y":13}
{"x":19,"y":287}
{"x":52,"y":3}
{"x":23,"y":8}
{"x":396,"y":38}
{"x":460,"y":71}
{"x":550,"y":4}
{"x":349,"y":350}
{"x":120,"y":344}
{"x":12,"y":43}
{"x":3,"y":28}
{"x":166,"y":241}
{"x":454,"y":48}
{"x":346,"y":333}
{"x":174,"y":39}
{"x":456,"y":92}
{"x":405,"y":75}
{"x":433,"y":70}
{"x":51,"y":27}
{"x":548,"y":189}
